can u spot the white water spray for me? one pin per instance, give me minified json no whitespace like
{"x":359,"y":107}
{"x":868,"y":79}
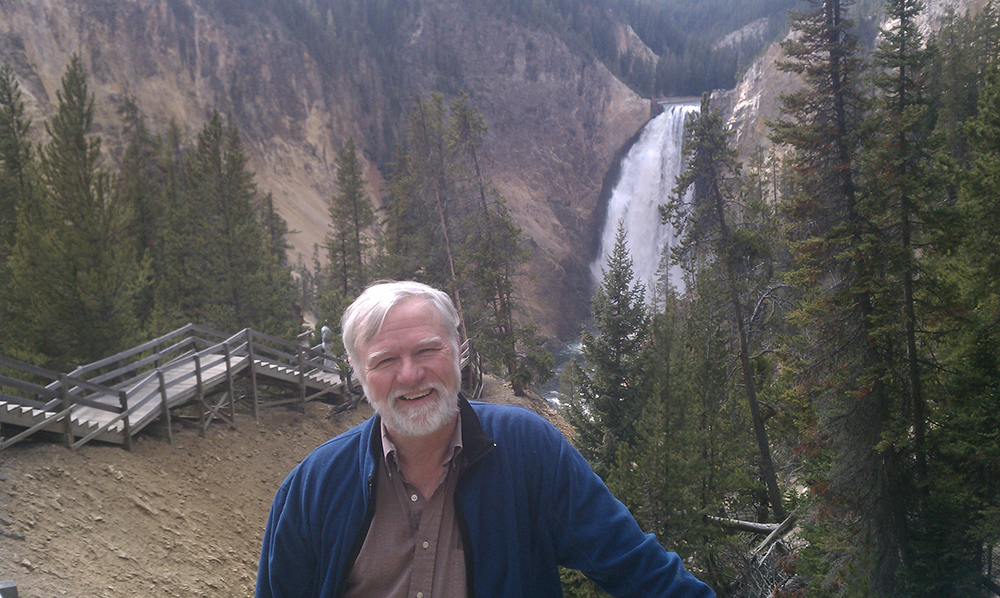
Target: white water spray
{"x":647,"y":180}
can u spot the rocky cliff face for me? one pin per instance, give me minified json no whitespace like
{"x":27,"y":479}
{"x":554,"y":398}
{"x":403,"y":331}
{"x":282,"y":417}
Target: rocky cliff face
{"x":556,"y":120}
{"x":556,"y":123}
{"x":757,"y":97}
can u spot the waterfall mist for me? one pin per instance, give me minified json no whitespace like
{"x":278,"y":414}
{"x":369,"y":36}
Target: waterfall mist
{"x":647,"y":181}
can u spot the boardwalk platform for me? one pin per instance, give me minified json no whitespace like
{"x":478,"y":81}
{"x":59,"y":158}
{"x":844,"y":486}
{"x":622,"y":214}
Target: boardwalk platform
{"x":115,"y":398}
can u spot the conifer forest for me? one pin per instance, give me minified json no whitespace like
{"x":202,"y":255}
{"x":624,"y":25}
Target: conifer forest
{"x":833,"y":359}
{"x":828,"y":368}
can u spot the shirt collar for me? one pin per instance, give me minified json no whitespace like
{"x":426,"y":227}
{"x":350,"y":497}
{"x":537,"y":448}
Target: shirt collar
{"x":389,"y":447}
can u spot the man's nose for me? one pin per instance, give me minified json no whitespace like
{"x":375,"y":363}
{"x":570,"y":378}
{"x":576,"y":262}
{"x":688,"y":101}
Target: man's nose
{"x":410,"y":371}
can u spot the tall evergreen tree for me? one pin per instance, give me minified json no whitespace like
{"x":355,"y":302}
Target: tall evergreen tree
{"x":17,"y":185}
{"x":690,"y":455}
{"x":351,"y":215}
{"x":492,"y":254}
{"x":420,"y":214}
{"x":612,"y":387}
{"x":840,"y":266}
{"x":222,"y":268}
{"x":961,"y":524}
{"x":76,"y":269}
{"x":428,"y":162}
{"x":141,"y":185}
{"x":710,"y":174}
{"x":898,"y":179}
{"x":237,"y":258}
{"x":401,"y":224}
{"x":179,"y":292}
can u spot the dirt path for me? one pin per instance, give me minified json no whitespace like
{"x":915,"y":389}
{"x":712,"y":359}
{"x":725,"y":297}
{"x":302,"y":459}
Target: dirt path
{"x":164,"y":520}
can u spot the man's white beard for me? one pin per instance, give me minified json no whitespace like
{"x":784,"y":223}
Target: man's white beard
{"x":422,"y":420}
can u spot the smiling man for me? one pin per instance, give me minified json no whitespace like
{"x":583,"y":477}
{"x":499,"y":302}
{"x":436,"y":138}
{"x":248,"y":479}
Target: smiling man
{"x":439,"y":497}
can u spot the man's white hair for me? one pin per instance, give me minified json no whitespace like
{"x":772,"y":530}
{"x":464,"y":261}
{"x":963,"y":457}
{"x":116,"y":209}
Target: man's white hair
{"x":363,"y":319}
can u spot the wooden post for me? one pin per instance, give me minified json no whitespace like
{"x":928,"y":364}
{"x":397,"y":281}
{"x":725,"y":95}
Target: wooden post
{"x":123,"y":399}
{"x":201,"y":396}
{"x":166,"y":406}
{"x":253,"y":377}
{"x":232,"y":393}
{"x":64,"y":395}
{"x":8,"y":589}
{"x":302,"y":378}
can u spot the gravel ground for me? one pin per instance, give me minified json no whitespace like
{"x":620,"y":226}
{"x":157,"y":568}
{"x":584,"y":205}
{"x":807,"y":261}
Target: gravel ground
{"x":182,"y":519}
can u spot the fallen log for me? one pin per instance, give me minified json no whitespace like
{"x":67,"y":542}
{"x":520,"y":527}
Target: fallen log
{"x":743,"y":526}
{"x":779,"y":532}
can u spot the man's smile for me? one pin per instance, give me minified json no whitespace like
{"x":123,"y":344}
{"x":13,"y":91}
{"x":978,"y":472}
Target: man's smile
{"x":414,"y":396}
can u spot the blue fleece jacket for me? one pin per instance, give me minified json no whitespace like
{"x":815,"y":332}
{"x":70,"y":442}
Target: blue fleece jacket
{"x":526,"y":503}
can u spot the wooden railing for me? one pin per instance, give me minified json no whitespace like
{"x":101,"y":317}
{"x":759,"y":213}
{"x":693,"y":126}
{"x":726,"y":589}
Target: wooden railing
{"x":153,"y":370}
{"x":63,"y":393}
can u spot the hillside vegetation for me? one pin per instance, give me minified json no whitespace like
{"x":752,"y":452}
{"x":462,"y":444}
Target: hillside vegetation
{"x":834,"y":359}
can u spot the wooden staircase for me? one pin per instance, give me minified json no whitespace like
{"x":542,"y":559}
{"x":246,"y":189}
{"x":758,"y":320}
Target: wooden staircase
{"x":113,"y":399}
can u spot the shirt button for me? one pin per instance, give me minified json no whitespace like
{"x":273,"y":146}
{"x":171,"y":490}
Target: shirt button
{"x":426,"y":544}
{"x":413,"y":497}
{"x":420,"y":595}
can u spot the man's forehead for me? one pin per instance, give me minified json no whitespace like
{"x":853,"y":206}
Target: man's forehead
{"x":413,"y":319}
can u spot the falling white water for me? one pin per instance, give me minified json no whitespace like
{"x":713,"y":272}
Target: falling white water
{"x":647,"y":180}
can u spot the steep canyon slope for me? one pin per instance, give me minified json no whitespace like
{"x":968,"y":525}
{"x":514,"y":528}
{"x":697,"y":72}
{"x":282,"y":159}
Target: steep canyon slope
{"x":756,"y":100}
{"x":556,"y":120}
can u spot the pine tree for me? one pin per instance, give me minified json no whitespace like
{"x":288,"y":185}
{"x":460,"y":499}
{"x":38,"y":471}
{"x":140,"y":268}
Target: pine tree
{"x":76,"y":268}
{"x":612,"y":387}
{"x":179,"y":292}
{"x":351,"y":215}
{"x":402,"y":224}
{"x":246,"y":290}
{"x":431,"y":180}
{"x":839,"y":250}
{"x":17,"y":186}
{"x":221,"y":267}
{"x":141,"y":185}
{"x":901,"y":186}
{"x":689,"y":457}
{"x":492,"y":254}
{"x":711,"y":169}
{"x":959,"y":541}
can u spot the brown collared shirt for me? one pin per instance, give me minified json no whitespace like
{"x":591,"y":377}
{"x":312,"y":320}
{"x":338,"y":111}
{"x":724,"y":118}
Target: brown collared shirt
{"x":413,"y":548}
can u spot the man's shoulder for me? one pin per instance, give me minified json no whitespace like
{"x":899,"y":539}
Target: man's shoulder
{"x":499,"y":419}
{"x":504,"y":411}
{"x":343,"y":450}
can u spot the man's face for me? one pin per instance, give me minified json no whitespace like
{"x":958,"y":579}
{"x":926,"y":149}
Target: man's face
{"x":410,"y":370}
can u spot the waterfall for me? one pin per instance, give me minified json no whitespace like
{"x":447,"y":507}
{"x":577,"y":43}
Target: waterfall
{"x":647,"y":180}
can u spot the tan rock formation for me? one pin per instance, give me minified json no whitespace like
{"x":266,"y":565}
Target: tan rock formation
{"x":556,"y":120}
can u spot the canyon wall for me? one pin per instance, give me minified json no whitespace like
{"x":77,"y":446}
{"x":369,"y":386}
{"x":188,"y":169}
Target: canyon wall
{"x":556,"y":120}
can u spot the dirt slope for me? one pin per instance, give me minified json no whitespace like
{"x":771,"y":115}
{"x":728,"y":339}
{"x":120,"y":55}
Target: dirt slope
{"x":165,"y":520}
